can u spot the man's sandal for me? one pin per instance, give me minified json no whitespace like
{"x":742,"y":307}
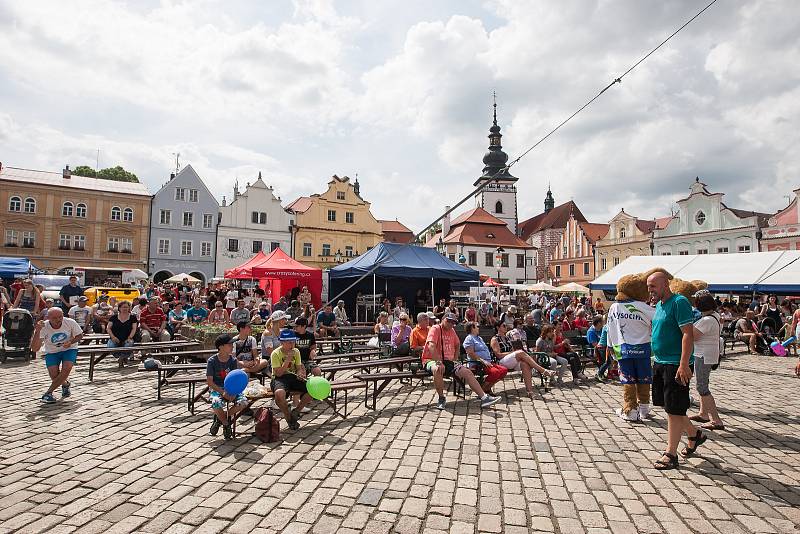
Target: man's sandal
{"x":661,"y":465}
{"x":698,"y":439}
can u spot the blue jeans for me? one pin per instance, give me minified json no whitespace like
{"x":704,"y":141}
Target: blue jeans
{"x":606,"y":364}
{"x":112,"y":345}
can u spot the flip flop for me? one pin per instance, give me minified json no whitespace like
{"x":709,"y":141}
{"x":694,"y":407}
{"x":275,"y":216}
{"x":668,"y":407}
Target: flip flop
{"x":712,"y":426}
{"x":698,"y":419}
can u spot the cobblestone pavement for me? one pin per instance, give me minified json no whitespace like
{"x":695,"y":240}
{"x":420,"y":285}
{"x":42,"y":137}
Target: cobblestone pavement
{"x":113,"y":459}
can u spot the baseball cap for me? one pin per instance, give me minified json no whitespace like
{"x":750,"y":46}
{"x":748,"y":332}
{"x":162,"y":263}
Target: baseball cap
{"x":279,"y":315}
{"x":301,"y":321}
{"x":512,"y":309}
{"x":83,"y":299}
{"x":430,"y":315}
{"x":287,"y":335}
{"x":451,"y":317}
{"x":223,"y":339}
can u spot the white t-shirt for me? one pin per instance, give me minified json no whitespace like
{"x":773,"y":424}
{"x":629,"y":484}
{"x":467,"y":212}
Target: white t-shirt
{"x":230,"y":298}
{"x":629,"y":329}
{"x":706,"y":345}
{"x":54,"y":338}
{"x":80,"y":315}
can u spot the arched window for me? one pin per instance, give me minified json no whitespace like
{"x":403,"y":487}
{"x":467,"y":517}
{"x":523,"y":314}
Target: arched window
{"x":116,"y":213}
{"x":14,"y":204}
{"x":30,"y":205}
{"x":127,"y":215}
{"x":622,"y":233}
{"x":80,"y":210}
{"x":498,"y":207}
{"x":66,"y":209}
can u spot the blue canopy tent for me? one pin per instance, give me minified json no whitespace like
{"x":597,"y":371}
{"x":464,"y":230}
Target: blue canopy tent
{"x":11,"y":267}
{"x":398,"y":270}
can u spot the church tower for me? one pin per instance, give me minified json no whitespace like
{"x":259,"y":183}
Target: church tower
{"x":499,"y":197}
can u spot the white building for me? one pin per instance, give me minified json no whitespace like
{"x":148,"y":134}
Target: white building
{"x":253,"y":221}
{"x":705,"y":225}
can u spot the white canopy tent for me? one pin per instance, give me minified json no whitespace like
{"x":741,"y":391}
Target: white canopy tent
{"x":178,"y":278}
{"x":775,"y":271}
{"x":572,"y":287}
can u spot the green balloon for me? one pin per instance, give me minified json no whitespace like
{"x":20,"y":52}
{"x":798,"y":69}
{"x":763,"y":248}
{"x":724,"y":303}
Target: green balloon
{"x":318,"y":387}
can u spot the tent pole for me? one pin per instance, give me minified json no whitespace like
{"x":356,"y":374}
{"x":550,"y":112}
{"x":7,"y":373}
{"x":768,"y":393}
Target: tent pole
{"x":433,"y":299}
{"x":374,"y":290}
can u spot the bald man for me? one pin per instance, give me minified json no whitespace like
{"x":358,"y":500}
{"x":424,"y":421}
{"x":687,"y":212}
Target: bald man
{"x":60,"y":336}
{"x":673,"y":346}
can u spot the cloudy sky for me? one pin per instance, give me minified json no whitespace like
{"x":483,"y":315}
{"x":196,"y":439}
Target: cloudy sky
{"x":400,"y":93}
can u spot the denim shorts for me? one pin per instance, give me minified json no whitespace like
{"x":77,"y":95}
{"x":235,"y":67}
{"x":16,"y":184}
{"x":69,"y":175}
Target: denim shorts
{"x":218,"y":403}
{"x":56,"y":358}
{"x":702,"y":374}
{"x":635,"y":371}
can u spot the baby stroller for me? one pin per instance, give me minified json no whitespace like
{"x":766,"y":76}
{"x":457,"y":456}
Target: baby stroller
{"x":17,"y":334}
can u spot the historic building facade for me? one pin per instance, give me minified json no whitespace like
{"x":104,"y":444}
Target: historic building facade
{"x":183,"y":228}
{"x":255,"y":220}
{"x":627,"y":236}
{"x":705,"y":225}
{"x":333,"y":226}
{"x":783,"y":229}
{"x":58,"y":220}
{"x":574,"y":256}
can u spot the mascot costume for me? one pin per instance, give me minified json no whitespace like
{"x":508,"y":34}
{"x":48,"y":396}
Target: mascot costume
{"x":629,"y":326}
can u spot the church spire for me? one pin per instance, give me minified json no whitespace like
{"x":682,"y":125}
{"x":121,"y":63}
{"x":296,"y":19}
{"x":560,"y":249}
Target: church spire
{"x":494,"y":161}
{"x":549,"y":201}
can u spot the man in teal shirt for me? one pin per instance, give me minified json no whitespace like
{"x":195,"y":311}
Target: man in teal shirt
{"x":672,"y":345}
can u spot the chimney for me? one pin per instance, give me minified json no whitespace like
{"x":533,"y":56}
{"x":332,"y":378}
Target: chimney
{"x":446,"y":223}
{"x":66,"y":173}
{"x":171,"y":176}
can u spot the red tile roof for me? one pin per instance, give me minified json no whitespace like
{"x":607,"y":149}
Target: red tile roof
{"x":594,"y":231}
{"x":663,"y":222}
{"x":489,"y":235}
{"x":476,"y":215}
{"x":300,"y":205}
{"x":555,"y":218}
{"x":646,"y":227}
{"x":394,"y":226}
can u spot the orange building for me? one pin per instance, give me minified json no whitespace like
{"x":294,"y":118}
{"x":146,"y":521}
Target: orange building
{"x":574,"y":256}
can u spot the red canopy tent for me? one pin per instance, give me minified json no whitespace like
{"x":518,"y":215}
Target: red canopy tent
{"x":490,"y":283}
{"x":278,"y":274}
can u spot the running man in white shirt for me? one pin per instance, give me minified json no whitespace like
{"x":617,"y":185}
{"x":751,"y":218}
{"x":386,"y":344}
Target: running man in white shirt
{"x":60,"y":336}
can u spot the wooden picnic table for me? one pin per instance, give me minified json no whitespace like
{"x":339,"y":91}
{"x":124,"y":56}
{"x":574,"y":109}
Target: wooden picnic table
{"x":385,"y":378}
{"x":182,"y":356}
{"x":365,"y":365}
{"x":98,"y":353}
{"x":352,"y":356}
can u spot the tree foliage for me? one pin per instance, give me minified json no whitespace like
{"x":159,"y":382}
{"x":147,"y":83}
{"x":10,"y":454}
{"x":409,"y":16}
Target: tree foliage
{"x":111,"y":173}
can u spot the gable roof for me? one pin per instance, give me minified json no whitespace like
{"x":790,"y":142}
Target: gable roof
{"x":476,"y":215}
{"x":300,"y":205}
{"x":29,"y":176}
{"x":555,"y":218}
{"x":188,"y":170}
{"x":394,"y":226}
{"x":594,"y":231}
{"x":744,"y":214}
{"x":646,"y":227}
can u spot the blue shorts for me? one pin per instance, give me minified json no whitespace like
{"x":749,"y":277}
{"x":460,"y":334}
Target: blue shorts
{"x":635,"y":371}
{"x":55,"y":359}
{"x":218,"y":403}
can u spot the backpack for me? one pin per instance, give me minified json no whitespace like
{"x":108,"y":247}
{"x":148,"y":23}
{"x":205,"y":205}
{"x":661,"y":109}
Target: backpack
{"x":267,"y":427}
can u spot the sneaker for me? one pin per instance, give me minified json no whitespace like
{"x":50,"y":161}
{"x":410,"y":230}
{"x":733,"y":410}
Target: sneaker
{"x":293,"y":423}
{"x":488,"y":400}
{"x":630,"y":417}
{"x":441,"y":404}
{"x":307,"y":409}
{"x":645,"y":411}
{"x":296,"y":414}
{"x":215,"y":424}
{"x":48,"y":398}
{"x":227,"y":432}
{"x":65,"y":392}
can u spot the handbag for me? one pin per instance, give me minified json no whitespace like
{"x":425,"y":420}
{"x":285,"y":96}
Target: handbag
{"x":267,"y":427}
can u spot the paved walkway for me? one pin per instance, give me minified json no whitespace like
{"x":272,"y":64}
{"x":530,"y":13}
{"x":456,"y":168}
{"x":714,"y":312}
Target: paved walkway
{"x":113,"y":459}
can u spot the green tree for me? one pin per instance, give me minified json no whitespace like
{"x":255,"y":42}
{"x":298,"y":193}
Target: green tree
{"x":117,"y":173}
{"x":83,"y":170}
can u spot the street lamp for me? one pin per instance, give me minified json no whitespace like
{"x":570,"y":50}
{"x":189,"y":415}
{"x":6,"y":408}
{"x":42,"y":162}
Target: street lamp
{"x":759,"y":235}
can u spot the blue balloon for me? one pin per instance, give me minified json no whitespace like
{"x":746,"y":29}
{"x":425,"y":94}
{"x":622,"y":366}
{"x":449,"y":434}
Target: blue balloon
{"x":236,"y":381}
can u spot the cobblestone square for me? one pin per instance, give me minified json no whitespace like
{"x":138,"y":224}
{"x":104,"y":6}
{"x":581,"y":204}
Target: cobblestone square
{"x":114,"y":459}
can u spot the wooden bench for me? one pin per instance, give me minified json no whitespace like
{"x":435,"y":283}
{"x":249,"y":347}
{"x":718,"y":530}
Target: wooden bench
{"x":183,"y":356}
{"x":98,"y":353}
{"x":166,"y":374}
{"x":380,"y":380}
{"x":365,"y":365}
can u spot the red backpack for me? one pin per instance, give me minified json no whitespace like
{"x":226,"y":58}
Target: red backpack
{"x":267,"y":427}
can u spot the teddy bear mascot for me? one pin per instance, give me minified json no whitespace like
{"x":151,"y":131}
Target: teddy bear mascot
{"x":629,"y":326}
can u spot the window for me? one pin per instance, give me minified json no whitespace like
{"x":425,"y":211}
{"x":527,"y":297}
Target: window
{"x":28,"y":239}
{"x":163,"y":247}
{"x":488,"y":259}
{"x":80,"y":210}
{"x":14,"y":204}
{"x":254,"y":217}
{"x":258,"y":217}
{"x":192,"y":195}
{"x":700,"y":218}
{"x":504,"y":260}
{"x":79,"y":242}
{"x":205,"y":248}
{"x":520,"y":261}
{"x":564,"y":252}
{"x":165,"y":217}
{"x":452,"y":257}
{"x":126,"y":245}
{"x":348,"y":251}
{"x":188,"y":218}
{"x":572,"y":269}
{"x":127,"y":215}
{"x":558,"y":271}
{"x":332,"y":215}
{"x":64,"y":242}
{"x":616,"y":262}
{"x":472,"y":258}
{"x":208,"y":220}
{"x":666,"y":253}
{"x":702,"y":251}
{"x":349,"y":217}
{"x":498,"y":207}
{"x":340,"y":195}
{"x":307,"y":249}
{"x":66,"y":209}
{"x":586,"y":269}
{"x":273,"y":245}
{"x":12,"y":238}
{"x":603,"y":264}
{"x":113,"y":244}
{"x":622,"y":233}
{"x":744,"y":248}
{"x":326,"y":250}
{"x":30,"y":205}
{"x":683,"y":253}
{"x":722,"y":250}
{"x":116,"y":213}
{"x":180,"y":193}
{"x":233,"y":245}
{"x":256,"y":246}
{"x":186,"y":248}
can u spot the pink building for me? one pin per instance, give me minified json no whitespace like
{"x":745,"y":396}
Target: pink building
{"x":783,"y":229}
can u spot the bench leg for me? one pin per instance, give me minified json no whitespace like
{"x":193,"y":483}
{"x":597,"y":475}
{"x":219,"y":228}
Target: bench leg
{"x":191,"y":398}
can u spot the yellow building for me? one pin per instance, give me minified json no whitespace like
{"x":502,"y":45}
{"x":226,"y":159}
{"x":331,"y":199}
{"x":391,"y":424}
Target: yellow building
{"x":627,"y":236}
{"x":58,"y":220}
{"x":336,"y":225}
